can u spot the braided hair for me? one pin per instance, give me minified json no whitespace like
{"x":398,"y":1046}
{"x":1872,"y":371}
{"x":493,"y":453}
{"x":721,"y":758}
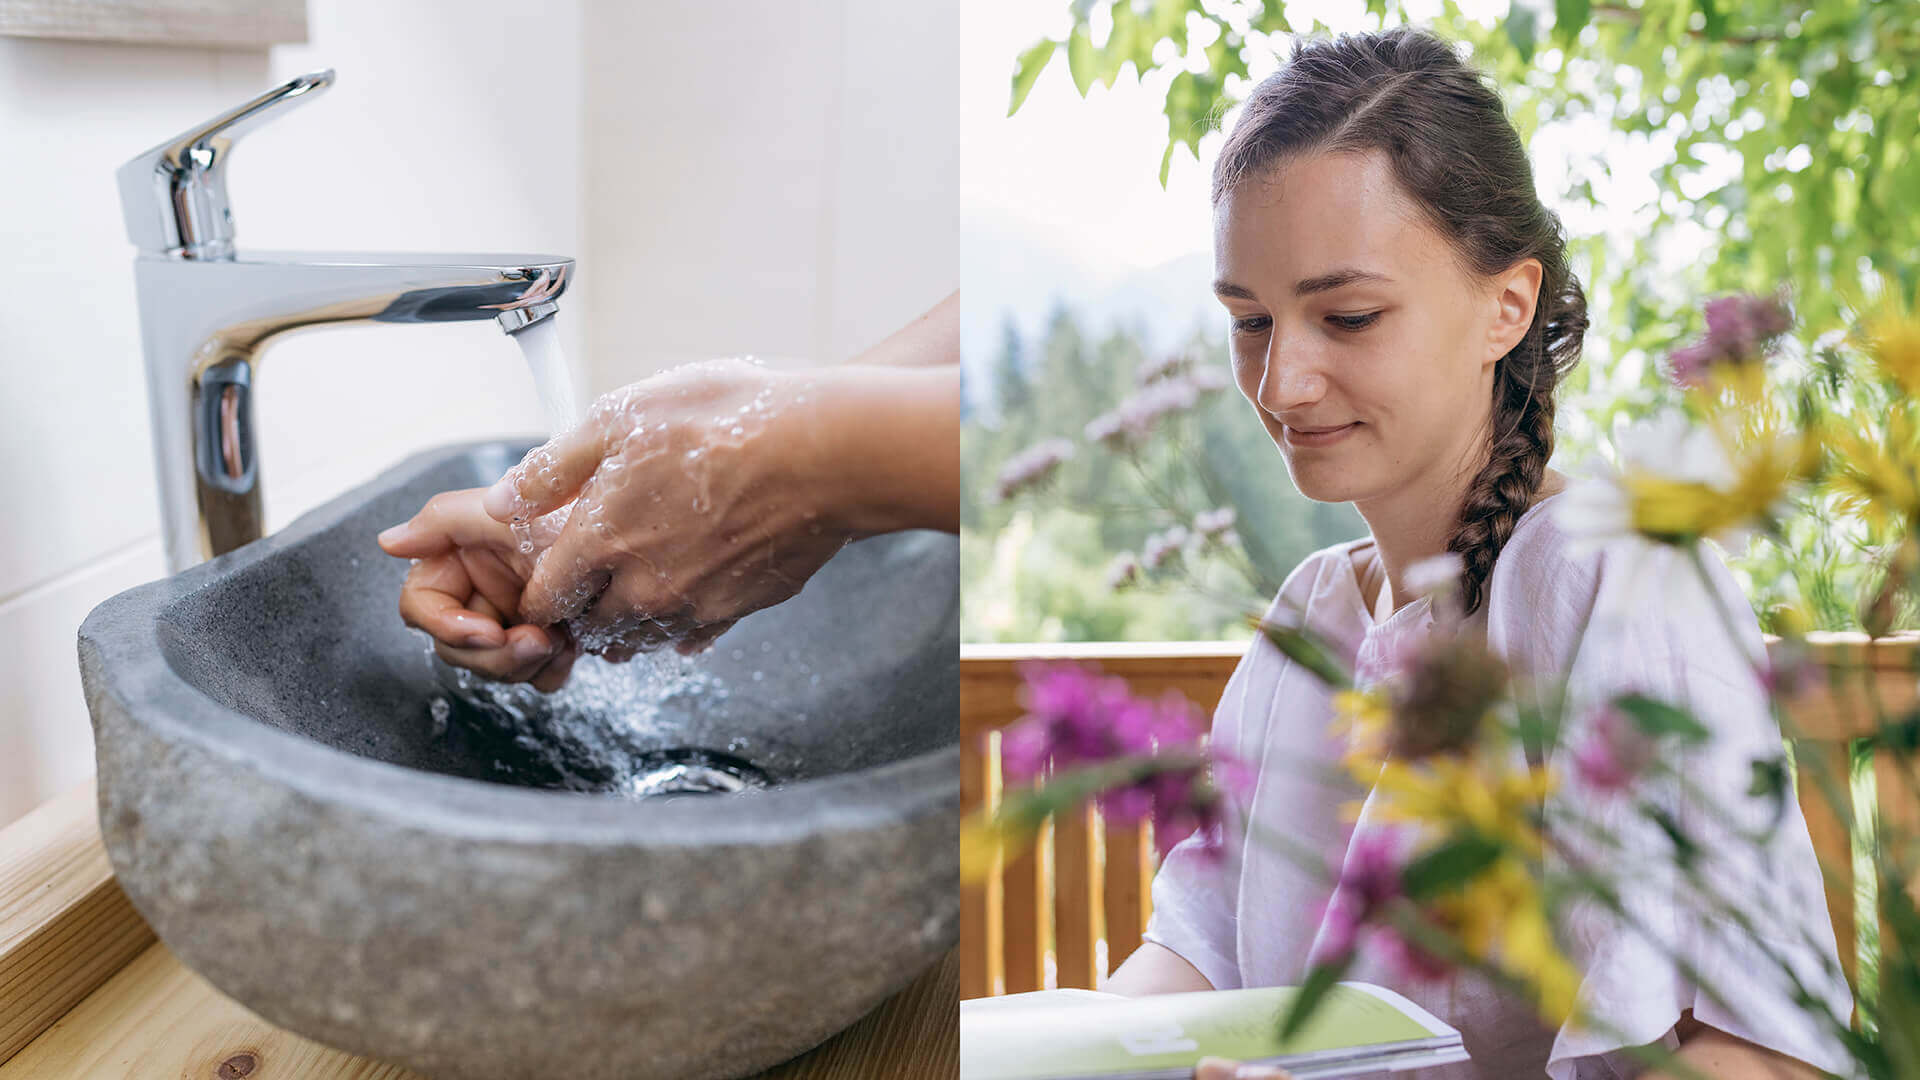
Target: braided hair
{"x":1409,"y":94}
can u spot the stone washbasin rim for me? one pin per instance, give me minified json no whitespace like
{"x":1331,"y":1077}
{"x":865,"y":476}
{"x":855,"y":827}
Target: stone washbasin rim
{"x":124,"y":630}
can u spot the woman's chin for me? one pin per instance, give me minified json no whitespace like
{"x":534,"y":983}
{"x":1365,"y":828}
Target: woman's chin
{"x":1322,"y":484}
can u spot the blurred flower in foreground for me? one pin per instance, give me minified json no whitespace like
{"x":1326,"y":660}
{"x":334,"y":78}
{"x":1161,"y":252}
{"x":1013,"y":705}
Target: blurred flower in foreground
{"x":1678,"y":481}
{"x":1891,"y":333}
{"x":1740,"y":331}
{"x":1092,"y":740}
{"x":1875,"y":469}
{"x":1614,"y":751}
{"x":1032,"y":467}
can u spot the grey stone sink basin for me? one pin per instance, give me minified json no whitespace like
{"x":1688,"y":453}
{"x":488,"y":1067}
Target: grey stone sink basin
{"x":469,"y":880}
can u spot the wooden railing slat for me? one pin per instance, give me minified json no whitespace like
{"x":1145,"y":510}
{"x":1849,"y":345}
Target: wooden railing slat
{"x":1076,"y":907}
{"x":1026,"y":919}
{"x":1822,"y":771}
{"x":980,"y":913}
{"x":1129,"y":877}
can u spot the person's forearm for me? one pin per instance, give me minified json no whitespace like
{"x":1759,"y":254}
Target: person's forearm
{"x":891,"y":446}
{"x":1716,"y":1054}
{"x":1155,"y":969}
{"x":932,"y":340}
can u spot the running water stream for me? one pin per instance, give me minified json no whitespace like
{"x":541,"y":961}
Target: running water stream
{"x":553,"y":379}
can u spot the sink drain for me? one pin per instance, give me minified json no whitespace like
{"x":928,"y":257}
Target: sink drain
{"x":693,"y":771}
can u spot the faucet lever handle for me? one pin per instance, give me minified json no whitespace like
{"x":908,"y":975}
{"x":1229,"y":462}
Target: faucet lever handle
{"x":174,"y":196}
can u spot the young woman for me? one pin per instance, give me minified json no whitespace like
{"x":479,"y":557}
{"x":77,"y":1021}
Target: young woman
{"x":1402,"y":312}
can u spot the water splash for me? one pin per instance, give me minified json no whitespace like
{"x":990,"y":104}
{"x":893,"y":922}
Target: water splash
{"x":604,"y":731}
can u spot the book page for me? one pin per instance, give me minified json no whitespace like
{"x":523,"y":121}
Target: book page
{"x":1121,"y":1035}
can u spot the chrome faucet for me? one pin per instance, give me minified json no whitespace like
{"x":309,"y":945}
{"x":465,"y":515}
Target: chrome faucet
{"x":207,"y":311}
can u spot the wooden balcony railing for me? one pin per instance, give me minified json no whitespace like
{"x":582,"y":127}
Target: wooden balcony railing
{"x":1080,"y":897}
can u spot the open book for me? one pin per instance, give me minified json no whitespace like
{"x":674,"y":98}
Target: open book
{"x":1359,"y":1029}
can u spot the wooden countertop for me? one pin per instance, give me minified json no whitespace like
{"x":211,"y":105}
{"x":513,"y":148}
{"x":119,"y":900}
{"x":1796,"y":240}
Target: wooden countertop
{"x":86,"y":991}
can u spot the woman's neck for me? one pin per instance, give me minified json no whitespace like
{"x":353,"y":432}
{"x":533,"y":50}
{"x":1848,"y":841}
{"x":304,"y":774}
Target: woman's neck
{"x":1406,"y":529}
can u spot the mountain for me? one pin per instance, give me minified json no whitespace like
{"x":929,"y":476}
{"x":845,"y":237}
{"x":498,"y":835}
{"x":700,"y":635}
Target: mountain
{"x":1024,"y":270}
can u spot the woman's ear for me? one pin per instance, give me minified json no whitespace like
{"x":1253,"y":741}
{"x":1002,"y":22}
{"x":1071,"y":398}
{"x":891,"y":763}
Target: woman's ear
{"x":1515,"y":294}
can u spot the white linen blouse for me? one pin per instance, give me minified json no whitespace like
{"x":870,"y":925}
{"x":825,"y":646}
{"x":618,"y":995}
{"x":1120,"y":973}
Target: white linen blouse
{"x":1249,"y":918}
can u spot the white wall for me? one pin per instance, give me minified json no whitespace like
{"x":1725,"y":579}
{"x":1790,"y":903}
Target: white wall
{"x":758,"y":177}
{"x":766,"y":177}
{"x":451,"y":128}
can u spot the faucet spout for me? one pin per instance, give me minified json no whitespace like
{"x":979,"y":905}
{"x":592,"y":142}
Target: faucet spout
{"x":207,"y":311}
{"x":206,"y":323}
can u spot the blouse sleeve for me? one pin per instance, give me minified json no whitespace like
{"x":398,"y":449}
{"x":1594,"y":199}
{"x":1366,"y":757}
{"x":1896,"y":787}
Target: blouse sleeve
{"x":1658,"y":629}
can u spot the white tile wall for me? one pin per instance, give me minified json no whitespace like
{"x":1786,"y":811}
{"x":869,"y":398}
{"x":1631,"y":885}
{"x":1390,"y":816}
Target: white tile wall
{"x":766,"y":177}
{"x":760,"y":176}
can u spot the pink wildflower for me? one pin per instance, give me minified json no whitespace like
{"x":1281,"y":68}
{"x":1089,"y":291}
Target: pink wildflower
{"x":1032,"y":467}
{"x":1614,"y":751}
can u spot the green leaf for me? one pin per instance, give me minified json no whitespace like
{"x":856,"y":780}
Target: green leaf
{"x":1313,"y":990}
{"x":1769,"y":778}
{"x":1080,"y":59}
{"x":1684,"y":849}
{"x":1453,"y":863}
{"x":1523,"y":30}
{"x":1569,"y":18}
{"x":1657,"y":718}
{"x":1716,"y":27}
{"x":1027,"y":69}
{"x":1119,"y":47}
{"x":1166,"y":162}
{"x":1297,"y":643}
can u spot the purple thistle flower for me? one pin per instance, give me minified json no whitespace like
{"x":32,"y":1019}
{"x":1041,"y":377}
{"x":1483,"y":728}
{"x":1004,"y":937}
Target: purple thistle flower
{"x":1740,"y":330}
{"x":1163,"y":367}
{"x":1032,"y":467}
{"x":1368,"y":881}
{"x":1211,"y":523}
{"x":1414,"y":963}
{"x":1077,"y":717}
{"x":1162,"y":546}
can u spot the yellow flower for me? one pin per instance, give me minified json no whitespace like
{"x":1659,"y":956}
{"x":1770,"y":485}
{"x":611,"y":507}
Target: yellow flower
{"x":1877,"y":479}
{"x":1364,"y":718}
{"x":1499,"y":917}
{"x":1674,"y":509}
{"x":1892,"y":335}
{"x":989,"y":840}
{"x":1739,"y":388}
{"x":1451,"y":790}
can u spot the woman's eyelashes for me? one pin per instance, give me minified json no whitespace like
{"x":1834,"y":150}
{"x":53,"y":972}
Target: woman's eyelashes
{"x":1256,"y":324}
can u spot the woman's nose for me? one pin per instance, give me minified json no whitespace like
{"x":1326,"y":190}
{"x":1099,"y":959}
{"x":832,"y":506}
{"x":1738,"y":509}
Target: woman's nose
{"x":1291,"y":382}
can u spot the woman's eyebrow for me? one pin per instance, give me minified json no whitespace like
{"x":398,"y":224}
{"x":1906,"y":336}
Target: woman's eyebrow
{"x":1323,"y":283}
{"x":1335,"y":279}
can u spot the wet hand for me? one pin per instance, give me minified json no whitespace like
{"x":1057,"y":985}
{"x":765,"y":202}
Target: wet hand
{"x":699,"y":495}
{"x":465,"y":591}
{"x":1213,"y":1068}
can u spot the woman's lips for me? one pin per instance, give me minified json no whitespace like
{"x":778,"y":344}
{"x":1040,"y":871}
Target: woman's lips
{"x":1322,"y":437}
